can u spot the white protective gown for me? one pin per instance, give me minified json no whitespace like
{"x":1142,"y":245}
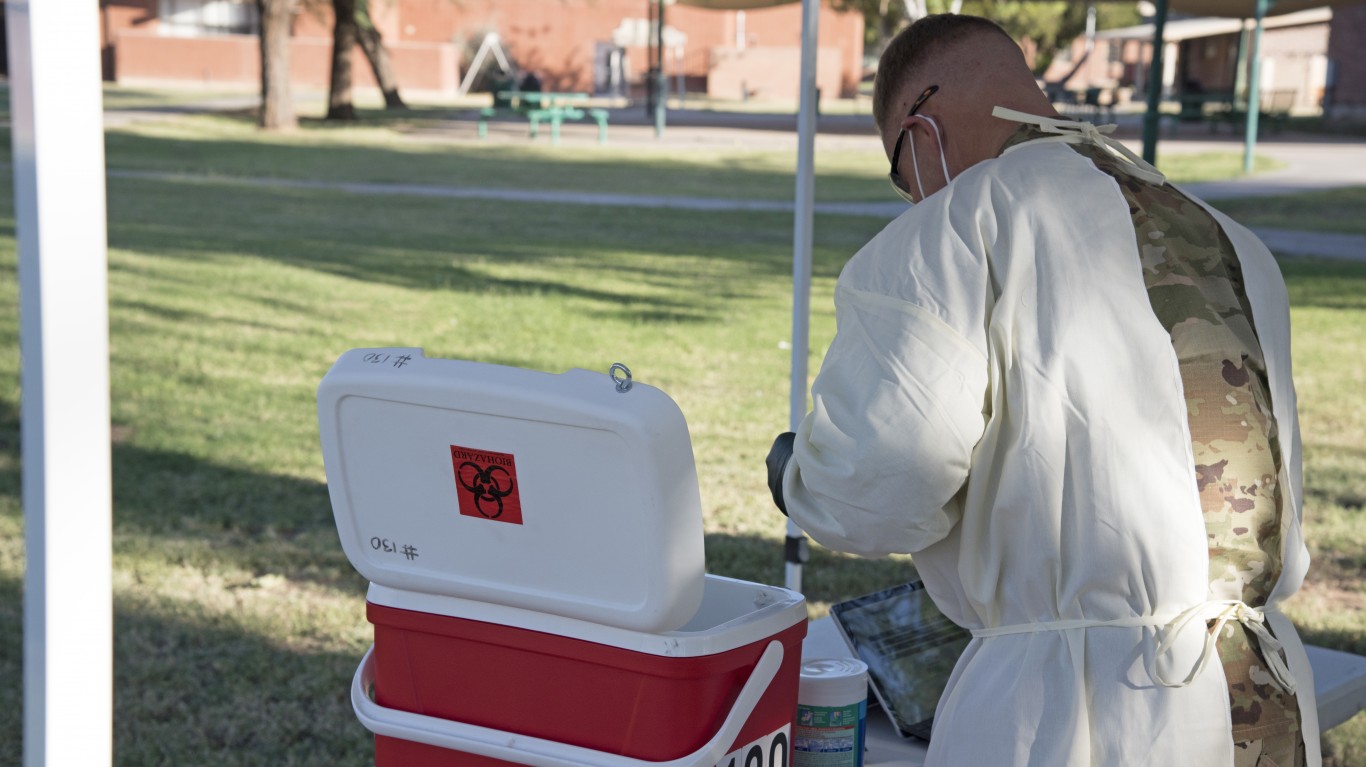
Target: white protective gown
{"x":1001,"y":402}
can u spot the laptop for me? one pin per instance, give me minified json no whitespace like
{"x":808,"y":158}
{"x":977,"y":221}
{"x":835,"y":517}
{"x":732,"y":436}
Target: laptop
{"x":910,"y":648}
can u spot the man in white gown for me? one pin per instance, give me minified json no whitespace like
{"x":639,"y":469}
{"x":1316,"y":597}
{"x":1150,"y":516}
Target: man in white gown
{"x":1064,"y":386}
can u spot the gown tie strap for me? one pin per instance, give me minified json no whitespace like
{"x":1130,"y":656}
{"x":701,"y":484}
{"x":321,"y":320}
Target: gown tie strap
{"x":1169,"y":629}
{"x":1221,"y":611}
{"x":1078,"y":132}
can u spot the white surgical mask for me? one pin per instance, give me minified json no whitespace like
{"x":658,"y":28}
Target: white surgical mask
{"x":943,"y":161}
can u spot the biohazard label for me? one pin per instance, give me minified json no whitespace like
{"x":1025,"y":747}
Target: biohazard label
{"x":486,"y":484}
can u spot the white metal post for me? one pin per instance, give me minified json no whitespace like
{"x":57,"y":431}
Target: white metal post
{"x":59,"y":203}
{"x":802,"y":228}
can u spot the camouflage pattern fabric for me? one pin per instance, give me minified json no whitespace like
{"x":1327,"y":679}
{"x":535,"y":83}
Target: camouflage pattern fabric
{"x":1281,"y":751}
{"x":1195,"y":286}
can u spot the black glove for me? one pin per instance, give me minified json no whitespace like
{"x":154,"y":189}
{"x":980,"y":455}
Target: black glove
{"x":778,"y":456}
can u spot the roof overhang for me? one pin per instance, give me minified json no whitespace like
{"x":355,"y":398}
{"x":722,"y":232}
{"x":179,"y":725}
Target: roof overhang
{"x":1233,"y":9}
{"x":1190,"y":29}
{"x":732,"y":5}
{"x":1245,"y":9}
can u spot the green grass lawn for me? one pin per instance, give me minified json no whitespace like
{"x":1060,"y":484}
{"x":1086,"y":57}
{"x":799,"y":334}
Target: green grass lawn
{"x":407,"y":149}
{"x":123,"y":97}
{"x":238,"y":619}
{"x":1336,"y":210}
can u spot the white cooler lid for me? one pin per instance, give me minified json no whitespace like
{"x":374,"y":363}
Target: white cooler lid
{"x":555,"y":493}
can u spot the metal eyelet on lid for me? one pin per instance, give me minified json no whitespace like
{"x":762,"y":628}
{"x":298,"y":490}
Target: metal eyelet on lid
{"x":623,"y":384}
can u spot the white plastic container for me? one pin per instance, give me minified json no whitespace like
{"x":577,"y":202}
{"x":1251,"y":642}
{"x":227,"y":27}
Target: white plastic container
{"x":556,"y":493}
{"x":832,"y":713}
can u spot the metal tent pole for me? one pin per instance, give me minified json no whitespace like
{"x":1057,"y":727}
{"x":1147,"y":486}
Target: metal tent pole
{"x":1152,"y":121}
{"x":650,"y":81}
{"x":1254,"y":87}
{"x":1240,"y":71}
{"x":802,"y":228}
{"x":661,"y":80}
{"x":59,"y":205}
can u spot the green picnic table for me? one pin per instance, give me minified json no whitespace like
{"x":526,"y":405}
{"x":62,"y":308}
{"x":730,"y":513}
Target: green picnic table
{"x":544,"y":106}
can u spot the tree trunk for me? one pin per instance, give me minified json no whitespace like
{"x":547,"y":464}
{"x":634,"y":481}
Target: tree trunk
{"x":378,"y":56}
{"x":339,"y":106}
{"x":277,"y":100}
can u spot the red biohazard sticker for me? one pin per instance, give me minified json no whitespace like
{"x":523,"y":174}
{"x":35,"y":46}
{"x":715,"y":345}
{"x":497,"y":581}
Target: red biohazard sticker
{"x":486,"y":484}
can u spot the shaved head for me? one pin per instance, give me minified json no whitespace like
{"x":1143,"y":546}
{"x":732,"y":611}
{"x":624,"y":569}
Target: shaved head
{"x":973,"y":66}
{"x":946,"y":48}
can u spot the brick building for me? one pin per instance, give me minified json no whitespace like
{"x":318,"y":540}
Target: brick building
{"x":1310,"y":59}
{"x":571,"y":44}
{"x":1345,"y":95}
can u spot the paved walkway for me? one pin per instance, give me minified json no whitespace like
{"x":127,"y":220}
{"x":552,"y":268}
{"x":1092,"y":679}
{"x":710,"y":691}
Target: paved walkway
{"x":1347,"y":247}
{"x":1309,"y":164}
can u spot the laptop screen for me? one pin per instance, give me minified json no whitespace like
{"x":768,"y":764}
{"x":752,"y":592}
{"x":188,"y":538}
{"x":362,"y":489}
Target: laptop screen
{"x":910,"y":649}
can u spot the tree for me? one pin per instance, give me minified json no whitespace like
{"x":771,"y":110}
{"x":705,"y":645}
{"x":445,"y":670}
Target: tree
{"x":351,"y":25}
{"x":277,"y":99}
{"x":378,"y":56}
{"x":882,"y":19}
{"x":345,"y":34}
{"x":1051,"y":26}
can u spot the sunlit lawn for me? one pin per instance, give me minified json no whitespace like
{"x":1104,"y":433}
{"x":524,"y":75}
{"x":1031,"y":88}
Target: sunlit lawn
{"x":239,"y":621}
{"x":1335,"y":210}
{"x":408,"y":149}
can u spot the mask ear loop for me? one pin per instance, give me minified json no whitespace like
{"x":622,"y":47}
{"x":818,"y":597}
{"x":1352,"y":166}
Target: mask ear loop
{"x":943,"y":162}
{"x":915,"y":164}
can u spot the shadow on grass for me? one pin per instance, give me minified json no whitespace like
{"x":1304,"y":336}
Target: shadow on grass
{"x":828,"y":577}
{"x":1324,"y":283}
{"x":1345,"y":640}
{"x":322,"y":152}
{"x":1339,"y":480}
{"x":211,"y":516}
{"x":638,"y":265}
{"x":175,"y":493}
{"x":196,"y":690}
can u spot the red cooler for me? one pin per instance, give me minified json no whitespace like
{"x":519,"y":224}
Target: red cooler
{"x":534,"y":547}
{"x":536,"y":689}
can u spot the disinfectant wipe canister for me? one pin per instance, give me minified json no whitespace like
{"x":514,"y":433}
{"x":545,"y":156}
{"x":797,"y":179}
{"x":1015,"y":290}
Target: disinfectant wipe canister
{"x":832,"y":708}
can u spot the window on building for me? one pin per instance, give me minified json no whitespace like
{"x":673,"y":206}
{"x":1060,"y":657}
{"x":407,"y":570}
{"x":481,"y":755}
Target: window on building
{"x":197,"y":18}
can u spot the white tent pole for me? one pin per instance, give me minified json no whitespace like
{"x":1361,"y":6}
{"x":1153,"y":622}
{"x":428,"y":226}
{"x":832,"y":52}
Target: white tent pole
{"x":801,"y":261}
{"x":58,"y":142}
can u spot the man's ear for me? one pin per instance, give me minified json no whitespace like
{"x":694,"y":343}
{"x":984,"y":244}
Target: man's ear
{"x":903,"y":125}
